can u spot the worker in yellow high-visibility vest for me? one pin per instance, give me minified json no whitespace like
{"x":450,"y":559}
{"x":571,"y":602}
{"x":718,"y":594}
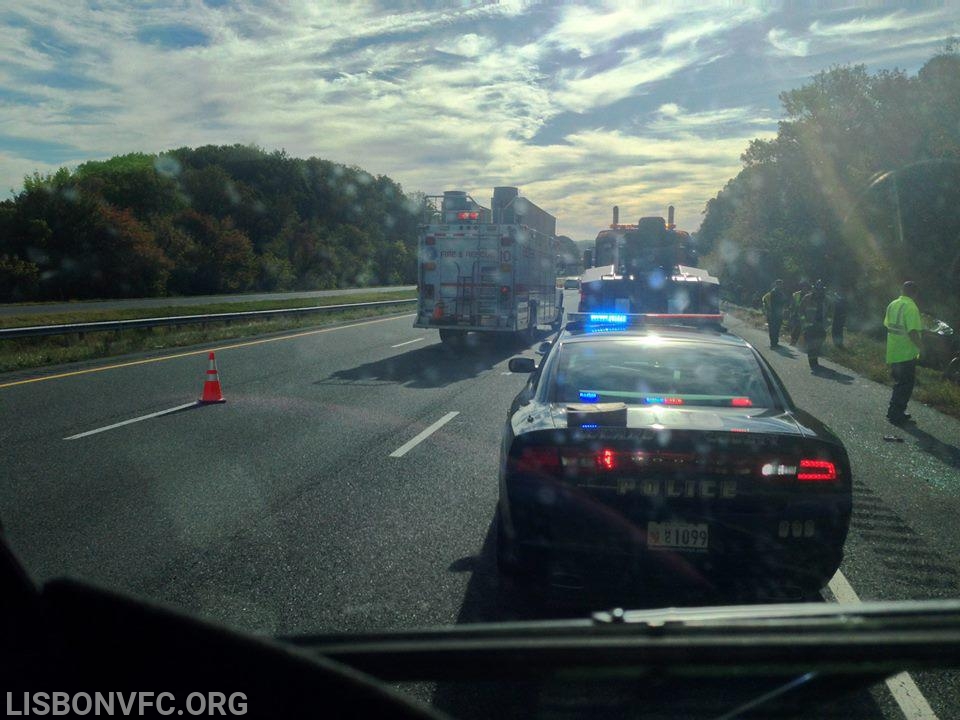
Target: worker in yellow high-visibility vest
{"x":903,"y":324}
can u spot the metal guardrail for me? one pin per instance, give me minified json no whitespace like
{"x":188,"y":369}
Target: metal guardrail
{"x":174,"y":320}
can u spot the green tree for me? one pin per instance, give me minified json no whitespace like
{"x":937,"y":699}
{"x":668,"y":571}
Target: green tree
{"x":859,"y":187}
{"x":209,"y":219}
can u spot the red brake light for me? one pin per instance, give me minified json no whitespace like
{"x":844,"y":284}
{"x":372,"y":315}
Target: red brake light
{"x":468,"y":215}
{"x":536,"y":459}
{"x":816,"y":471}
{"x":741,"y":402}
{"x":606,"y":459}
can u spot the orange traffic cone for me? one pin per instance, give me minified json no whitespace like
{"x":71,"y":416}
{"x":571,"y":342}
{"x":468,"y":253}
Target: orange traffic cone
{"x":211,"y":386}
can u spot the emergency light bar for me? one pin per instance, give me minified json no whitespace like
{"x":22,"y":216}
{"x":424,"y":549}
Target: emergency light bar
{"x":618,"y":319}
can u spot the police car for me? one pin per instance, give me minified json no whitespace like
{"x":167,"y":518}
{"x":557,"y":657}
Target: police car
{"x":662,"y":448}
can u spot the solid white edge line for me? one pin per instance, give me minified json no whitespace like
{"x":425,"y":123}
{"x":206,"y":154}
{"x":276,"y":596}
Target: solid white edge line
{"x":410,"y":444}
{"x":408,"y":342}
{"x":132,"y":420}
{"x":191,"y":353}
{"x":904,"y":690}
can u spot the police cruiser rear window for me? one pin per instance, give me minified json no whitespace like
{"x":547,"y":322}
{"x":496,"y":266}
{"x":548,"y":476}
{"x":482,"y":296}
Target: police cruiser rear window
{"x":654,"y":371}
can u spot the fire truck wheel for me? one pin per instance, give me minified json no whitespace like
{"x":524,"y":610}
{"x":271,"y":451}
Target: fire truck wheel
{"x":452,"y":338}
{"x":531,"y":333}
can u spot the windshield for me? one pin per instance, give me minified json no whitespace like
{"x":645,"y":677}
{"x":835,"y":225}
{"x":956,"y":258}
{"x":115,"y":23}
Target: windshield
{"x":652,"y":371}
{"x":607,"y":248}
{"x":286,"y":293}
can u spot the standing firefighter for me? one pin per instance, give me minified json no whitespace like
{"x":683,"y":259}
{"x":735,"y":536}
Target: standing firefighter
{"x":796,"y":321}
{"x":813,"y":312}
{"x":903,"y":324}
{"x":775,"y":302}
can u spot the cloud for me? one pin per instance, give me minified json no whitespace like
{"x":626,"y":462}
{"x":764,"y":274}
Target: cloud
{"x":581,"y":106}
{"x":173,"y":36}
{"x":470,"y":45}
{"x":674,"y":119}
{"x":784,"y":44}
{"x":580,"y":91}
{"x":593,"y":170}
{"x":696,"y":30}
{"x":893,"y":23}
{"x":876,"y":35}
{"x":590,"y":30}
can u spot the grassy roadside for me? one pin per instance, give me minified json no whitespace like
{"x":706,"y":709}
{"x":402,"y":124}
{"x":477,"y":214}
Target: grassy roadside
{"x":865,"y":355}
{"x":25,"y":353}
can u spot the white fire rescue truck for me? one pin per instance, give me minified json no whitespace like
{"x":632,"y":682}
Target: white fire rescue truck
{"x":487,"y":270}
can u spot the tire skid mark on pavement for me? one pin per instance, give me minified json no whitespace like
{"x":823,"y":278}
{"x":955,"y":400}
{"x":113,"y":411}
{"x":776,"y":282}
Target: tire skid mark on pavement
{"x":897,"y":547}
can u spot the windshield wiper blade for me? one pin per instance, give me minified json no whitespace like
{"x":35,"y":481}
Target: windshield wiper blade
{"x":871,"y":640}
{"x":883,"y":613}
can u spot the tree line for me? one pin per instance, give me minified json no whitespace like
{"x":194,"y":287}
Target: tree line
{"x":860,"y":188}
{"x":212,"y":219}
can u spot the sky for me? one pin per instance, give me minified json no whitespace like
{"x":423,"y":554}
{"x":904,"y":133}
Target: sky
{"x":581,"y":105}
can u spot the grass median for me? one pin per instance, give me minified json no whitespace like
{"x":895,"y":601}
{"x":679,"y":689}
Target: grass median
{"x":26,"y":353}
{"x":865,"y":355}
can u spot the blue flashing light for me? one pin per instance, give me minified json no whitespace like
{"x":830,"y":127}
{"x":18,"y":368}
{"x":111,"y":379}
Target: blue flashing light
{"x":658,"y":400}
{"x":616,"y":318}
{"x":589,"y":397}
{"x":590,"y":426}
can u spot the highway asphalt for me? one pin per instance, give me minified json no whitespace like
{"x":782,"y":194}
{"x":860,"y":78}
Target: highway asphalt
{"x":303,"y":504}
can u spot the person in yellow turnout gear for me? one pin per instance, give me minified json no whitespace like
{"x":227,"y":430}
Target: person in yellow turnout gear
{"x":796,"y":320}
{"x":775,"y":302}
{"x":813,"y":314}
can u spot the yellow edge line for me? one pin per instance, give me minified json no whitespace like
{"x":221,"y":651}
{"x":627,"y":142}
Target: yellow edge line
{"x":199,"y":352}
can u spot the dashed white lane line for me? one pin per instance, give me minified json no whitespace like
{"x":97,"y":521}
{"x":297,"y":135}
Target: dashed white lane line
{"x":132,"y":420}
{"x":904,"y":690}
{"x":412,"y":443}
{"x":408,"y":342}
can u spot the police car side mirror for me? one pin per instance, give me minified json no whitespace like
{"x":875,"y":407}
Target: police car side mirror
{"x":522,"y":365}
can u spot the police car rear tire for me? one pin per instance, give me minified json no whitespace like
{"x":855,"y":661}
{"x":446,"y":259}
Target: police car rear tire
{"x":522,"y":568}
{"x":508,"y":563}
